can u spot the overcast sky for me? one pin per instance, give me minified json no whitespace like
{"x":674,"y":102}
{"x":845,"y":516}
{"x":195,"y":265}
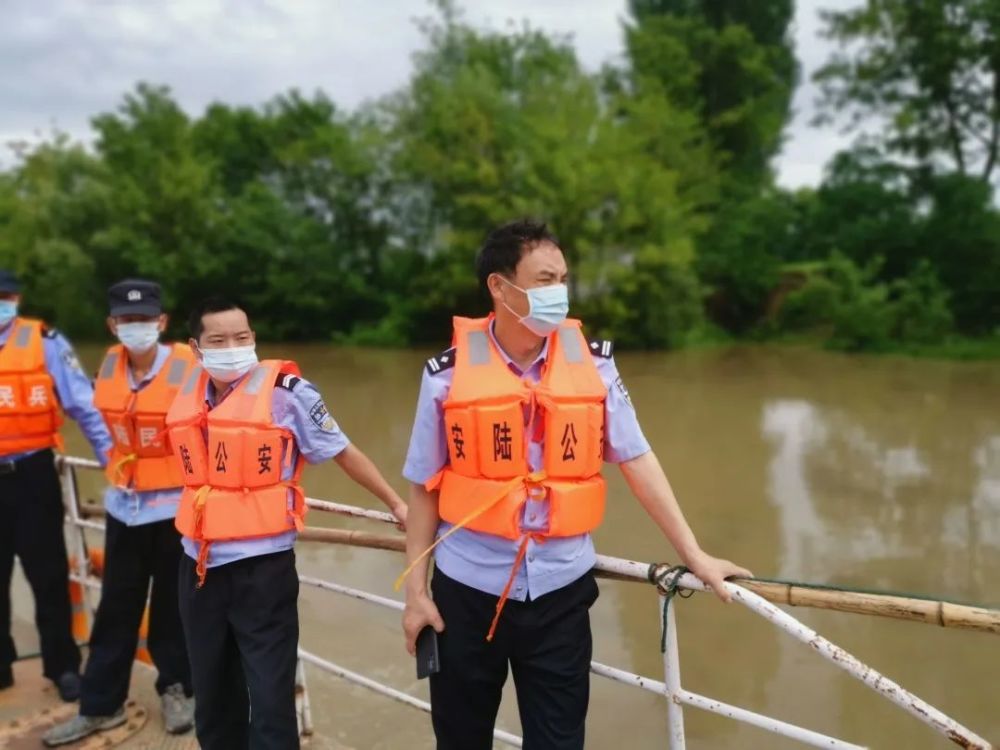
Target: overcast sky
{"x":66,"y":60}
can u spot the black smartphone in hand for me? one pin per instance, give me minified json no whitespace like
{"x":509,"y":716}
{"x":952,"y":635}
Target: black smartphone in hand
{"x":428,"y":661}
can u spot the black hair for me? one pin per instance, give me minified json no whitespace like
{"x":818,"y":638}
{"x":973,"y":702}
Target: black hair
{"x":217,"y":304}
{"x":504,"y":246}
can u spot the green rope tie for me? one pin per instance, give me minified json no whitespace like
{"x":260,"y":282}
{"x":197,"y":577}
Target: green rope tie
{"x":665,"y":579}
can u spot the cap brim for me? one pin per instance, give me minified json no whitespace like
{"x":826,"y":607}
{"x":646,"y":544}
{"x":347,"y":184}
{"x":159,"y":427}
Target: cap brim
{"x":139,"y":309}
{"x":10,"y":289}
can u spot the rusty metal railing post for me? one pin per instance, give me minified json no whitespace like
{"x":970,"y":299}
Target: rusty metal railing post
{"x":672,"y":676}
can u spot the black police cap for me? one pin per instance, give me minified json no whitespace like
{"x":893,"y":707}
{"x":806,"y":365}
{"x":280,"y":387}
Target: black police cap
{"x":9,"y":283}
{"x":134,"y":297}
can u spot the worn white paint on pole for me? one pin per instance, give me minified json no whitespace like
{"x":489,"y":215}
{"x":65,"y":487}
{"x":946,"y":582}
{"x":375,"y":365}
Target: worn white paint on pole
{"x":356,"y":593}
{"x":920,"y":709}
{"x":302,"y":709}
{"x":72,"y":503}
{"x":328,"y":666}
{"x":723,"y":709}
{"x":350,"y":510}
{"x":79,"y":463}
{"x":776,"y":726}
{"x":620,"y":568}
{"x":672,"y":677}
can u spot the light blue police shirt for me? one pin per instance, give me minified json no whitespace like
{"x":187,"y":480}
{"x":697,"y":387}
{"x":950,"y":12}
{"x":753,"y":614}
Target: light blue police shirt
{"x":139,"y":508}
{"x":484,"y":561}
{"x":298,"y":407}
{"x":74,"y":391}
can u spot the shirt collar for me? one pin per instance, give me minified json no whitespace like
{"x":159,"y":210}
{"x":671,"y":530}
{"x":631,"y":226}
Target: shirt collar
{"x":539,"y":360}
{"x":162,"y":354}
{"x":212,"y":398}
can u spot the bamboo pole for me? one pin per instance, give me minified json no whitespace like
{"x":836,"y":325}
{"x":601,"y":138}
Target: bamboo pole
{"x":930,"y":611}
{"x":943,"y":614}
{"x":353,"y":538}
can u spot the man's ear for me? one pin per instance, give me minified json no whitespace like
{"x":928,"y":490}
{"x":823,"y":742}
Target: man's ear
{"x":495,"y":284}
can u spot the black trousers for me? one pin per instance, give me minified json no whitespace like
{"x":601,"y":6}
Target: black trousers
{"x":132,"y":556}
{"x":32,"y":528}
{"x":242,"y":631}
{"x":547,"y":643}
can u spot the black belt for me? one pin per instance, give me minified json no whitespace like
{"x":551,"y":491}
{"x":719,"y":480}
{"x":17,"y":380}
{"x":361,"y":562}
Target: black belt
{"x":8,"y":467}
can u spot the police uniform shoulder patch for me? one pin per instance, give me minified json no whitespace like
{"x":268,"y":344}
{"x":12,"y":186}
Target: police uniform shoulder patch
{"x":287,"y":381}
{"x":320,"y":417}
{"x":441,"y":362}
{"x":602,"y":347}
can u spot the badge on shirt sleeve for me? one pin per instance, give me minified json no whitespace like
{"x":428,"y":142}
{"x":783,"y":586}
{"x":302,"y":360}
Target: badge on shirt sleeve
{"x":321,"y":417}
{"x":71,"y":361}
{"x":620,"y":385}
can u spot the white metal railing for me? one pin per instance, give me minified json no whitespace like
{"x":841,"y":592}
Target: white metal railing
{"x":617,"y":568}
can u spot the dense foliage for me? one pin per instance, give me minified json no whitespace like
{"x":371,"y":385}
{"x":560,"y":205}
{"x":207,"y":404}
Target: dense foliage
{"x":656,"y":173}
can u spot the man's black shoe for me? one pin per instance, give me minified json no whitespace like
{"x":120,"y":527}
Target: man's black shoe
{"x":6,"y":677}
{"x":69,"y":686}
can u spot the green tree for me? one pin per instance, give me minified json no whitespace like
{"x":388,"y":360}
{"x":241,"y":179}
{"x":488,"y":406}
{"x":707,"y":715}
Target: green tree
{"x":921,"y":307}
{"x":961,"y":237}
{"x":929,"y":70}
{"x":52,"y":205}
{"x":731,"y":63}
{"x":494,"y":126}
{"x":164,"y":204}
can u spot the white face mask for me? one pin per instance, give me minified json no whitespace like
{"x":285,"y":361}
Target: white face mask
{"x":138,"y":337}
{"x":227,"y":365}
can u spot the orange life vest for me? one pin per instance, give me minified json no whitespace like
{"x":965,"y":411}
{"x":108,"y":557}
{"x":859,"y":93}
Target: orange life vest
{"x":230,"y":458}
{"x":141,"y":456}
{"x":488,"y":415}
{"x":30,"y":414}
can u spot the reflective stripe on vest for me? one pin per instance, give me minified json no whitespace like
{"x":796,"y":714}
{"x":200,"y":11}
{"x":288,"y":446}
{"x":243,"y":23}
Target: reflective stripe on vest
{"x":231,"y":459}
{"x":141,"y":456}
{"x":30,"y":415}
{"x":490,"y":415}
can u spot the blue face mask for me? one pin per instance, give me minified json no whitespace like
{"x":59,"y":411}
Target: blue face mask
{"x":8,"y":311}
{"x":547,"y":307}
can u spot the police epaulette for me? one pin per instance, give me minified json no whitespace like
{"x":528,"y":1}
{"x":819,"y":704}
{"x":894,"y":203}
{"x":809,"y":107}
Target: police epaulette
{"x":602,"y":348}
{"x":49,"y":333}
{"x":287,"y":381}
{"x":441,"y":362}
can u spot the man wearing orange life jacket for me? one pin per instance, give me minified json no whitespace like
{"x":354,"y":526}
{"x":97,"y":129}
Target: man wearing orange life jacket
{"x":136,"y":384}
{"x":40,"y":378}
{"x":513,"y":425}
{"x":241,"y":431}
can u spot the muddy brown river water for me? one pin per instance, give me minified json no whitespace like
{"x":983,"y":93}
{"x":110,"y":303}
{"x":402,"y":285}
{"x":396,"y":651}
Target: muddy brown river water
{"x":876,"y":472}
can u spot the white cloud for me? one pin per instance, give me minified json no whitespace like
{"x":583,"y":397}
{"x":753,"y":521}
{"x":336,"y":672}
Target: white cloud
{"x":66,"y":60}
